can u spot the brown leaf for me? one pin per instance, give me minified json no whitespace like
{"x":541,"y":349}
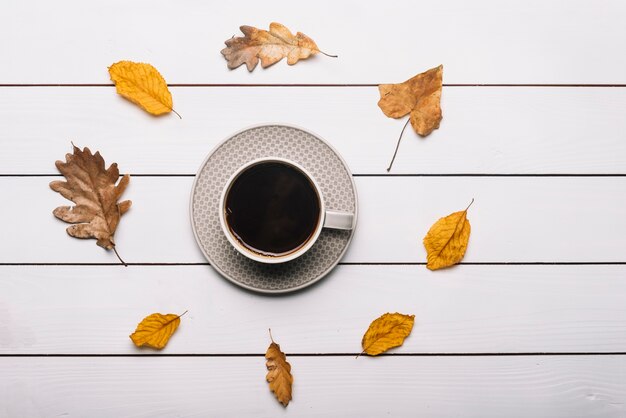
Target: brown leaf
{"x":270,"y":47}
{"x":92,"y":188}
{"x":279,"y":373}
{"x":420,"y":96}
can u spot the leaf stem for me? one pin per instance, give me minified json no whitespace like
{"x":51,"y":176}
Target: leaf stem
{"x":182,"y":314}
{"x":328,"y":55}
{"x":468,"y":206}
{"x":398,"y":145}
{"x":270,"y":330}
{"x":119,"y":258}
{"x":177,"y":114}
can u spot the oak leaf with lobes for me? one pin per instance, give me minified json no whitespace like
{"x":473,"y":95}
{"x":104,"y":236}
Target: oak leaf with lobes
{"x":93,"y":189}
{"x":270,"y":47}
{"x":446,"y":241}
{"x":420,"y":96}
{"x":278,"y":373}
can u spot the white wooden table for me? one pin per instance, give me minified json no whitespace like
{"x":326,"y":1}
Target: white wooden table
{"x":532,"y":324}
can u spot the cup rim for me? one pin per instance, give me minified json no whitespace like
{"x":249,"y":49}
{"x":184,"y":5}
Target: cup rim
{"x":248,"y":252}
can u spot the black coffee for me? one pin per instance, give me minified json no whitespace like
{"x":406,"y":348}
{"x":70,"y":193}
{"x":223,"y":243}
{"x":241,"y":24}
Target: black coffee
{"x":272,"y":208}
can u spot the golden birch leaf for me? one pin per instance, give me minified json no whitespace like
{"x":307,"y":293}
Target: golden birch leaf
{"x":420,"y":96}
{"x":447,"y":239}
{"x":92,"y":188}
{"x":155,"y":330}
{"x":270,"y":47}
{"x":143,"y":85}
{"x":387,"y":332}
{"x":278,"y":373}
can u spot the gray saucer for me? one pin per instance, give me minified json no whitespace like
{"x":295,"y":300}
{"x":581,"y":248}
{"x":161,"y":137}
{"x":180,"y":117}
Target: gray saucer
{"x":305,"y":148}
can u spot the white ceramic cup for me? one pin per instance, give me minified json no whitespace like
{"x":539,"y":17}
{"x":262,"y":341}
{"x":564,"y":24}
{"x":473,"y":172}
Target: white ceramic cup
{"x":327,"y":218}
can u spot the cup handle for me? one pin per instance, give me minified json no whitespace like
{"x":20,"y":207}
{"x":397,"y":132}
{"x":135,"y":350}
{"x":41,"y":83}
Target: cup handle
{"x":338,"y":220}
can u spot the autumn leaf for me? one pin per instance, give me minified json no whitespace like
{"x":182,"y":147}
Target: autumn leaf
{"x":447,"y":239}
{"x":155,"y":330}
{"x":278,"y":373}
{"x":420,"y":96}
{"x":143,"y":85}
{"x":92,"y":188}
{"x":387,"y":332}
{"x":270,"y":47}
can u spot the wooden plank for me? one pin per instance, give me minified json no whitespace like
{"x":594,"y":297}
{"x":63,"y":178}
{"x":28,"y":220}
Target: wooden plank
{"x":484,"y":41}
{"x":485,"y":130}
{"x":530,"y":219}
{"x":585,"y":386}
{"x":468,"y":309}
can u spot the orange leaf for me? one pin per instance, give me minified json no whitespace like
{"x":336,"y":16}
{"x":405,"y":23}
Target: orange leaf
{"x":386,"y":332}
{"x":155,"y":330}
{"x":278,"y":373}
{"x":143,"y":85}
{"x":447,"y":240}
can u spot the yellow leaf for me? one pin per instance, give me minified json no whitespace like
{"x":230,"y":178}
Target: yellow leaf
{"x":270,"y":47}
{"x":142,"y":84}
{"x":387,"y":332}
{"x":279,"y":373}
{"x":447,"y":239}
{"x":155,"y":330}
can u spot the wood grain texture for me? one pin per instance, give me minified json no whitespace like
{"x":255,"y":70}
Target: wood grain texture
{"x":397,"y":386}
{"x":513,"y":220}
{"x":483,"y":41}
{"x":468,"y":309}
{"x":484,"y":130}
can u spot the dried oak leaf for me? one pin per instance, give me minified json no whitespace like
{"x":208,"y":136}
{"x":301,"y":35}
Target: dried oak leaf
{"x":143,"y":85}
{"x":447,"y":239}
{"x":387,"y":332}
{"x":278,"y":373}
{"x":420,"y":96}
{"x":155,"y":330}
{"x":270,"y":47}
{"x":92,"y":187}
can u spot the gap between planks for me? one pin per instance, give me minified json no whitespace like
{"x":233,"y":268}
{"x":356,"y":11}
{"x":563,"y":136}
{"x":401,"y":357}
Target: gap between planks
{"x":349,"y":263}
{"x":520,"y":354}
{"x":374,"y":175}
{"x":311,"y":85}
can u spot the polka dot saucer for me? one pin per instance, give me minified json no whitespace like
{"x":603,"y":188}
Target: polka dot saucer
{"x":306,"y":149}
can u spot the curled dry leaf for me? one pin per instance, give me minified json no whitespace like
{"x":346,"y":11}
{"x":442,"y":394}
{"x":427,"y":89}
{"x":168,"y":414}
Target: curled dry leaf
{"x":155,"y":330}
{"x":92,"y":187}
{"x":278,"y":373}
{"x":420,"y":96}
{"x":388,"y":331}
{"x":143,"y":85}
{"x":447,"y":239}
{"x":270,"y":47}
